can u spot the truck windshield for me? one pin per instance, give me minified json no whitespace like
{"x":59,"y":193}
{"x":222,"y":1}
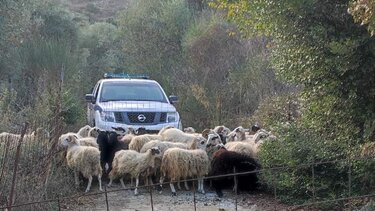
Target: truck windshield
{"x":131,"y":91}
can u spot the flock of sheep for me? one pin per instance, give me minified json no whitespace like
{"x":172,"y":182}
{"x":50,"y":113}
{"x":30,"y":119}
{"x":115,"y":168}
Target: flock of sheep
{"x":171,"y":154}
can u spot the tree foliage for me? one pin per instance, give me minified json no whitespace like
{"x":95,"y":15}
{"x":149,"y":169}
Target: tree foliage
{"x":363,"y":12}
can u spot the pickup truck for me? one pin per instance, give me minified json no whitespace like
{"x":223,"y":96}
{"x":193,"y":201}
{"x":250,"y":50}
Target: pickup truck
{"x":131,"y":100}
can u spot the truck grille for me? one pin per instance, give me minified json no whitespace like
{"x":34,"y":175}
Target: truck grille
{"x":132,"y":117}
{"x":141,"y":117}
{"x":163,"y":117}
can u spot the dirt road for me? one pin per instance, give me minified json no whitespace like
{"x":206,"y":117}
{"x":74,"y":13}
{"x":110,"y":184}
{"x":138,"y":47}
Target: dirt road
{"x":127,"y":201}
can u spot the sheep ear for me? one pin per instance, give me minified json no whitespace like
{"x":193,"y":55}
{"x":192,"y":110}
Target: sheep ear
{"x":220,"y":129}
{"x":75,"y":136}
{"x":205,"y":133}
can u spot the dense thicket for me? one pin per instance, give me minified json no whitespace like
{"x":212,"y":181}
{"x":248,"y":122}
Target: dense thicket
{"x":316,"y":45}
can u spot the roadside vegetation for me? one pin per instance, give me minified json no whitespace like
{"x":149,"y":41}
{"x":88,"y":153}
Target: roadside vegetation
{"x":302,"y":69}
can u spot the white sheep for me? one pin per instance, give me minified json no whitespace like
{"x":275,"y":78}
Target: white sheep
{"x":176,"y":135}
{"x":164,"y":129}
{"x":130,"y":134}
{"x":163,"y":146}
{"x":189,"y":130}
{"x":182,"y":163}
{"x":133,"y":163}
{"x":84,"y":131}
{"x":84,"y":159}
{"x":242,"y":147}
{"x":251,"y":145}
{"x":239,"y":134}
{"x":40,"y":136}
{"x":137,"y":142}
{"x":83,"y":141}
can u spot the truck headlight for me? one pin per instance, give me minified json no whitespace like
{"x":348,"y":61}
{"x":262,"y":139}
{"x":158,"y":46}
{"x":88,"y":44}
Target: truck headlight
{"x":107,"y":116}
{"x":172,"y":117}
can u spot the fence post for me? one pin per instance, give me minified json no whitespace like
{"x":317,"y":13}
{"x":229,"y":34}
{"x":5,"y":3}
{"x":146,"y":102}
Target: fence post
{"x":313,"y":180}
{"x":274,"y":188}
{"x":58,"y":203}
{"x":195,"y":205}
{"x":152,"y":202}
{"x":235,"y":185}
{"x":350,"y":180}
{"x":5,"y":159}
{"x":106,"y":197}
{"x":18,"y":155}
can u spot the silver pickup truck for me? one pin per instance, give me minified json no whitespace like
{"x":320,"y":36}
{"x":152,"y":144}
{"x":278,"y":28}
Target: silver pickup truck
{"x":125,"y":100}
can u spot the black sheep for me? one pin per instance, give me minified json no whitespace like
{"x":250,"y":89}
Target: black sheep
{"x":224,"y":162}
{"x":109,"y":144}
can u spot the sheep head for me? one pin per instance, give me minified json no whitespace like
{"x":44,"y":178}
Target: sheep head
{"x":189,"y":130}
{"x":70,"y":140}
{"x":155,"y":151}
{"x":213,"y":140}
{"x":205,"y":133}
{"x":238,"y":134}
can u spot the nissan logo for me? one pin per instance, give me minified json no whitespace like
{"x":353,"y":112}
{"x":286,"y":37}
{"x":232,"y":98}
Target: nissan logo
{"x":141,"y":118}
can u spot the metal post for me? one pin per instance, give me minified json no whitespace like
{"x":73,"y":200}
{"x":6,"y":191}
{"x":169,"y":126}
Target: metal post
{"x":350,"y":182}
{"x":18,"y":155}
{"x":235,"y":185}
{"x":58,"y":203}
{"x":313,"y":181}
{"x":106,"y":197}
{"x":274,"y":189}
{"x":152,"y":202}
{"x":195,"y":204}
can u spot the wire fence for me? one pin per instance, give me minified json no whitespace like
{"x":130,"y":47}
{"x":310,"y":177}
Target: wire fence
{"x":33,"y":177}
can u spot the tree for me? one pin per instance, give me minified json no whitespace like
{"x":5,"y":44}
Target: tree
{"x":151,"y":33}
{"x":363,"y":12}
{"x":316,"y":44}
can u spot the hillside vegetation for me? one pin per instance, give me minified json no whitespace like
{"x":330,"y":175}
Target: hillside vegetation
{"x":303,"y":69}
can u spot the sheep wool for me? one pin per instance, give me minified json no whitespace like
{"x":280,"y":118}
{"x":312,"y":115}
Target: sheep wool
{"x":241,"y":147}
{"x":84,"y":131}
{"x":176,"y":135}
{"x":137,"y":142}
{"x":133,"y":163}
{"x":226,"y":162}
{"x":181,"y":163}
{"x":84,"y":159}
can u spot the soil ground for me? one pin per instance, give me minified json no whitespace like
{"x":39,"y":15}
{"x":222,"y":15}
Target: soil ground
{"x":125,"y":200}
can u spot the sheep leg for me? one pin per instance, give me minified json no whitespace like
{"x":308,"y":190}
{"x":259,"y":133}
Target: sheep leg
{"x":178,"y":185}
{"x":172,"y":189}
{"x":110,"y":182}
{"x":89,"y":184}
{"x":202,"y":188}
{"x":100,"y":182}
{"x":122,"y":182}
{"x":136,"y":185}
{"x":161,"y":180}
{"x":186,"y":185}
{"x":76,"y":181}
{"x":151,"y":182}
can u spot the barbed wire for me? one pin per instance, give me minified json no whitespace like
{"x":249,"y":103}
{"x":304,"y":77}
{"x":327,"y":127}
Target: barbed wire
{"x":59,"y":199}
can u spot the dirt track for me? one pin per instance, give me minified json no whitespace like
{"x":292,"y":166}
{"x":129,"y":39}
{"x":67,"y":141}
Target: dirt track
{"x":126,"y":201}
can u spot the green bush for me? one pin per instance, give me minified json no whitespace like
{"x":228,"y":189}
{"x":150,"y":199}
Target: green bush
{"x":295,"y":149}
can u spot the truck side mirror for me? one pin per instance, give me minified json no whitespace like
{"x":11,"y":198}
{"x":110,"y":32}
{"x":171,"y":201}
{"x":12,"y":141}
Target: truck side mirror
{"x":90,"y":98}
{"x":173,"y":99}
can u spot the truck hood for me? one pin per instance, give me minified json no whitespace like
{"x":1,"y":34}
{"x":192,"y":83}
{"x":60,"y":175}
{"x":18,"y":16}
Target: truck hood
{"x":135,"y":106}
